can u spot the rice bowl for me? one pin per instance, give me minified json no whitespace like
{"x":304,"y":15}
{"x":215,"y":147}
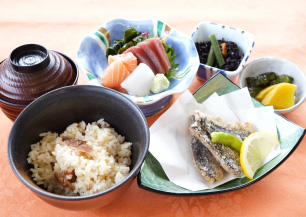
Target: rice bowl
{"x":60,"y":108}
{"x":67,"y":170}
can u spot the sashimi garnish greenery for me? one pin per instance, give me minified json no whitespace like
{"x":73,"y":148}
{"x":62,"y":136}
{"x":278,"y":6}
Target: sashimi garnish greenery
{"x":132,"y":37}
{"x":171,"y":56}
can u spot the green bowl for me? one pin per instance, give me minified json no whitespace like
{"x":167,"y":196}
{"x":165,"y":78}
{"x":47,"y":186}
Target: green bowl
{"x":153,"y":178}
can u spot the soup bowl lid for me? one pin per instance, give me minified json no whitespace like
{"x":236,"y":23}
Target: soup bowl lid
{"x":30,"y":71}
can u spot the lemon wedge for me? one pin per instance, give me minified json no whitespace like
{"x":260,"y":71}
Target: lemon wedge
{"x":254,"y":150}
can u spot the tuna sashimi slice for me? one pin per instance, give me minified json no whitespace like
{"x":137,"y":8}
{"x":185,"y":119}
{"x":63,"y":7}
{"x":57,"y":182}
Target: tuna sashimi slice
{"x":128,"y":59}
{"x":162,"y":54}
{"x":114,"y":74}
{"x":152,"y":53}
{"x":141,"y":56}
{"x":149,"y":49}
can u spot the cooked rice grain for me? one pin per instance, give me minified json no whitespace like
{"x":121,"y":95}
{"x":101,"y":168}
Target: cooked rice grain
{"x":105,"y":166}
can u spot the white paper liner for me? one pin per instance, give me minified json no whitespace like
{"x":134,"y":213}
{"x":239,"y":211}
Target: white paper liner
{"x":170,"y":136}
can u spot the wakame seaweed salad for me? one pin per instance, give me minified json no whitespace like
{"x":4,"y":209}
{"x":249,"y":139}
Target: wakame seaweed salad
{"x":131,"y":38}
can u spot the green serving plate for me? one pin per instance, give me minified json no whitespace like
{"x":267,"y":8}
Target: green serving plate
{"x":153,"y":178}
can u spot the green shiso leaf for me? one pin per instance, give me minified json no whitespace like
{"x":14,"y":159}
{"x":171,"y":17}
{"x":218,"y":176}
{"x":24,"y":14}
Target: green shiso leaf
{"x":170,"y":54}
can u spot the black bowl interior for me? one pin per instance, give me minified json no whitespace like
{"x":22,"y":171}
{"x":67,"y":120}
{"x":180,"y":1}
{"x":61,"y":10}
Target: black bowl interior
{"x":57,"y":109}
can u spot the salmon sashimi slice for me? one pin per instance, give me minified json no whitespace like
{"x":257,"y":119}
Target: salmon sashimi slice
{"x":150,"y":50}
{"x":128,"y":59}
{"x":162,"y":54}
{"x":114,"y":74}
{"x":141,"y":56}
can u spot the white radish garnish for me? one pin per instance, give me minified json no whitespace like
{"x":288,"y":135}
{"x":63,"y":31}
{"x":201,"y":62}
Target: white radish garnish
{"x":139,"y":82}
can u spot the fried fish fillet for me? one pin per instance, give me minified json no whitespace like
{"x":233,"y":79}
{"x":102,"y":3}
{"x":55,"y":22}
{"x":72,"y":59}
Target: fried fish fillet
{"x":225,"y":155}
{"x":205,"y":162}
{"x":216,"y":124}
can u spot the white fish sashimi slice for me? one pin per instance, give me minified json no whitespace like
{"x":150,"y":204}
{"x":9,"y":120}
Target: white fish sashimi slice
{"x":139,"y":82}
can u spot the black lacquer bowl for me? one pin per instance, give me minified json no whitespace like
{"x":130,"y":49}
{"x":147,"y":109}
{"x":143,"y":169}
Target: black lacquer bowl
{"x":31,"y":71}
{"x":56,"y":110}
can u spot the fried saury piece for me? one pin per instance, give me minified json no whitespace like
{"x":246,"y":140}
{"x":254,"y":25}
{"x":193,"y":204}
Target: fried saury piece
{"x":228,"y":158}
{"x":216,"y":124}
{"x":205,"y":162}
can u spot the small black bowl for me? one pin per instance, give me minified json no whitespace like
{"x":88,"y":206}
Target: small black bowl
{"x":54,"y":111}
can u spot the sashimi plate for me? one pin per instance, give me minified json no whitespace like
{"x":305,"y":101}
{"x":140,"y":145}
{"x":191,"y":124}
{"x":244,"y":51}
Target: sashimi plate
{"x":153,"y":178}
{"x":92,"y":61}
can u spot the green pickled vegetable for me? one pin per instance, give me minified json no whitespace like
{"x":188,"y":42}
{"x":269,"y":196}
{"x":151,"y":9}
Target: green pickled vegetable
{"x":217,"y":51}
{"x":256,"y":84}
{"x":251,"y":81}
{"x":211,"y":57}
{"x":262,"y":80}
{"x":282,"y":79}
{"x":266,"y":78}
{"x":254,"y":91}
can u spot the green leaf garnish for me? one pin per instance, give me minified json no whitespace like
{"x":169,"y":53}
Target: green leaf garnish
{"x":170,"y":54}
{"x":120,"y":45}
{"x":151,"y":32}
